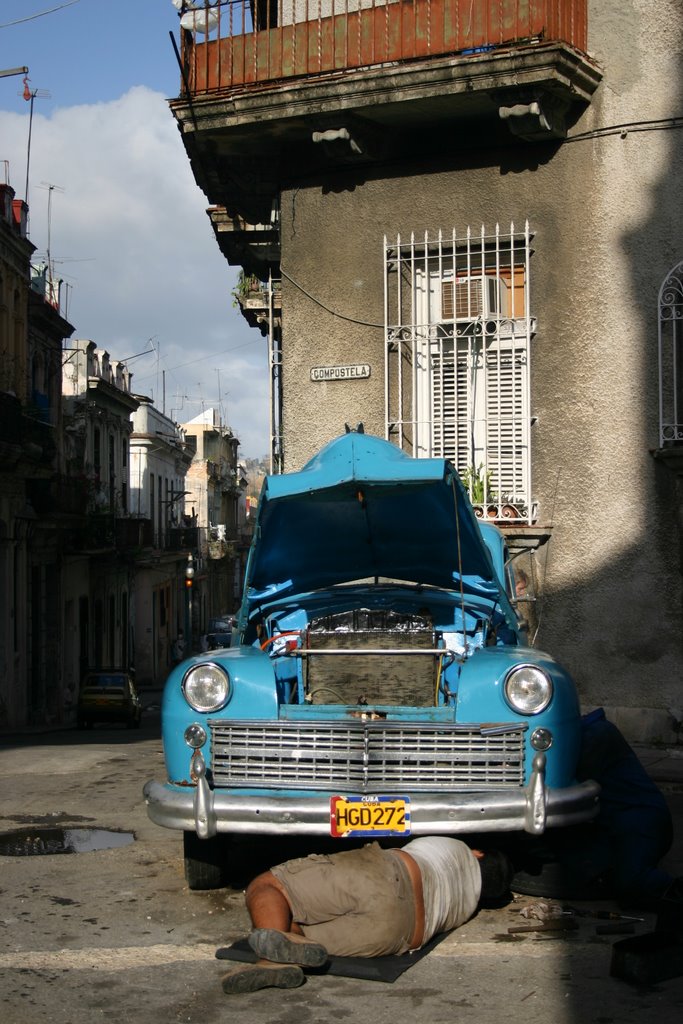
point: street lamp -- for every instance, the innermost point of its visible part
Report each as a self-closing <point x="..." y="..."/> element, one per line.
<point x="189" y="577"/>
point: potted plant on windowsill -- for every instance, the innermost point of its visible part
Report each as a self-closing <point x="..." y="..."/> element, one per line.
<point x="477" y="482"/>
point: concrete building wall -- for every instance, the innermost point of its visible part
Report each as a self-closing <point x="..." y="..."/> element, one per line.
<point x="157" y="451"/>
<point x="14" y="561"/>
<point x="606" y="214"/>
<point x="158" y="618"/>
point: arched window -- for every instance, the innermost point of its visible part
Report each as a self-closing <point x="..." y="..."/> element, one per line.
<point x="671" y="358"/>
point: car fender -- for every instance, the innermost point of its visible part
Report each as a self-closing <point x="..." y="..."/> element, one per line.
<point x="253" y="695"/>
<point x="480" y="698"/>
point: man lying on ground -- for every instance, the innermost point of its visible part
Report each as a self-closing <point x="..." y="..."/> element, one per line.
<point x="364" y="902"/>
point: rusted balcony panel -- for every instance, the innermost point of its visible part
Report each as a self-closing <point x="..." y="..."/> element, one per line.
<point x="341" y="44"/>
<point x="236" y="58"/>
<point x="295" y="45"/>
<point x="378" y="34"/>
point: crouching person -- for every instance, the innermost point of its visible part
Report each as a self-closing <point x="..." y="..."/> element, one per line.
<point x="620" y="851"/>
<point x="364" y="902"/>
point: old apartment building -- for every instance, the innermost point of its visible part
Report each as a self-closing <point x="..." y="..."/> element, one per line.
<point x="214" y="498"/>
<point x="94" y="541"/>
<point x="31" y="334"/>
<point x="465" y="218"/>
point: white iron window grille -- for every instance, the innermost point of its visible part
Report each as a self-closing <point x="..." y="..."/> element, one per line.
<point x="458" y="333"/>
<point x="671" y="358"/>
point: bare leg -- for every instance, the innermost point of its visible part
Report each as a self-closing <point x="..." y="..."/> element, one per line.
<point x="267" y="903"/>
<point x="275" y="937"/>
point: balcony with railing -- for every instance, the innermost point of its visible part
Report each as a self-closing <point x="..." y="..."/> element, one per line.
<point x="260" y="302"/>
<point x="277" y="89"/>
<point x="271" y="40"/>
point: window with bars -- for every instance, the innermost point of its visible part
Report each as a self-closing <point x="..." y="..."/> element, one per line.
<point x="458" y="331"/>
<point x="671" y="358"/>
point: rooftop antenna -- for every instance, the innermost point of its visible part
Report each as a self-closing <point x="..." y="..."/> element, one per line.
<point x="50" y="189"/>
<point x="30" y="95"/>
<point x="157" y="349"/>
<point x="220" y="420"/>
<point x="179" y="398"/>
<point x="137" y="355"/>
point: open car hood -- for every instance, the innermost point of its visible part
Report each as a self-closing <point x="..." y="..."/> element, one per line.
<point x="363" y="509"/>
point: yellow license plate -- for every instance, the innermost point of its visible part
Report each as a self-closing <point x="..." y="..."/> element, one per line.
<point x="369" y="816"/>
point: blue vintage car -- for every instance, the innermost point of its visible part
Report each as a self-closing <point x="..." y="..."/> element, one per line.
<point x="380" y="685"/>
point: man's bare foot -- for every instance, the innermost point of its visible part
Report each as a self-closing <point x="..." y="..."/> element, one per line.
<point x="287" y="948"/>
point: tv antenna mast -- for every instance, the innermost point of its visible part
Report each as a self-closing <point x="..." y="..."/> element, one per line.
<point x="50" y="189"/>
<point x="30" y="95"/>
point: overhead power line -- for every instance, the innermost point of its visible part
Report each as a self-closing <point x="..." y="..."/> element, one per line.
<point x="40" y="14"/>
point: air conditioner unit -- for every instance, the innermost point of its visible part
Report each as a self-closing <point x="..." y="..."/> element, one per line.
<point x="468" y="298"/>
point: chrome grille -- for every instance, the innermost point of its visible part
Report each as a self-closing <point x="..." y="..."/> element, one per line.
<point x="360" y="757"/>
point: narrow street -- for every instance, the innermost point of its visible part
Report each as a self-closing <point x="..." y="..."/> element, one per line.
<point x="114" y="934"/>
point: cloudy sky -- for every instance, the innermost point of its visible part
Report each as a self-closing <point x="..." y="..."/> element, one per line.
<point x="112" y="196"/>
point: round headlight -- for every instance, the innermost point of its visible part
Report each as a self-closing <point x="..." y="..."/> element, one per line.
<point x="528" y="690"/>
<point x="207" y="687"/>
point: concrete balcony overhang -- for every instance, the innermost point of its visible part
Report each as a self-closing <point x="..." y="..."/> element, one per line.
<point x="247" y="142"/>
<point x="257" y="310"/>
<point x="255" y="247"/>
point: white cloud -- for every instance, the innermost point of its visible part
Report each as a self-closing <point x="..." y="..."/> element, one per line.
<point x="130" y="237"/>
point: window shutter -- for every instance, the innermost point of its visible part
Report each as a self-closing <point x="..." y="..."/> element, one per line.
<point x="468" y="298"/>
<point x="444" y="394"/>
<point x="506" y="431"/>
<point x="453" y="389"/>
<point x="478" y="406"/>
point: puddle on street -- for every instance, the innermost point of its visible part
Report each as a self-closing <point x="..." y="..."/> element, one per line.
<point x="38" y="842"/>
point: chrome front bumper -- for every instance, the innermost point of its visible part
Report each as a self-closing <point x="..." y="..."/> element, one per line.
<point x="533" y="809"/>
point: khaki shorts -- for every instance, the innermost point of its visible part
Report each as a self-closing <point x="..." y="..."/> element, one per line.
<point x="356" y="903"/>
